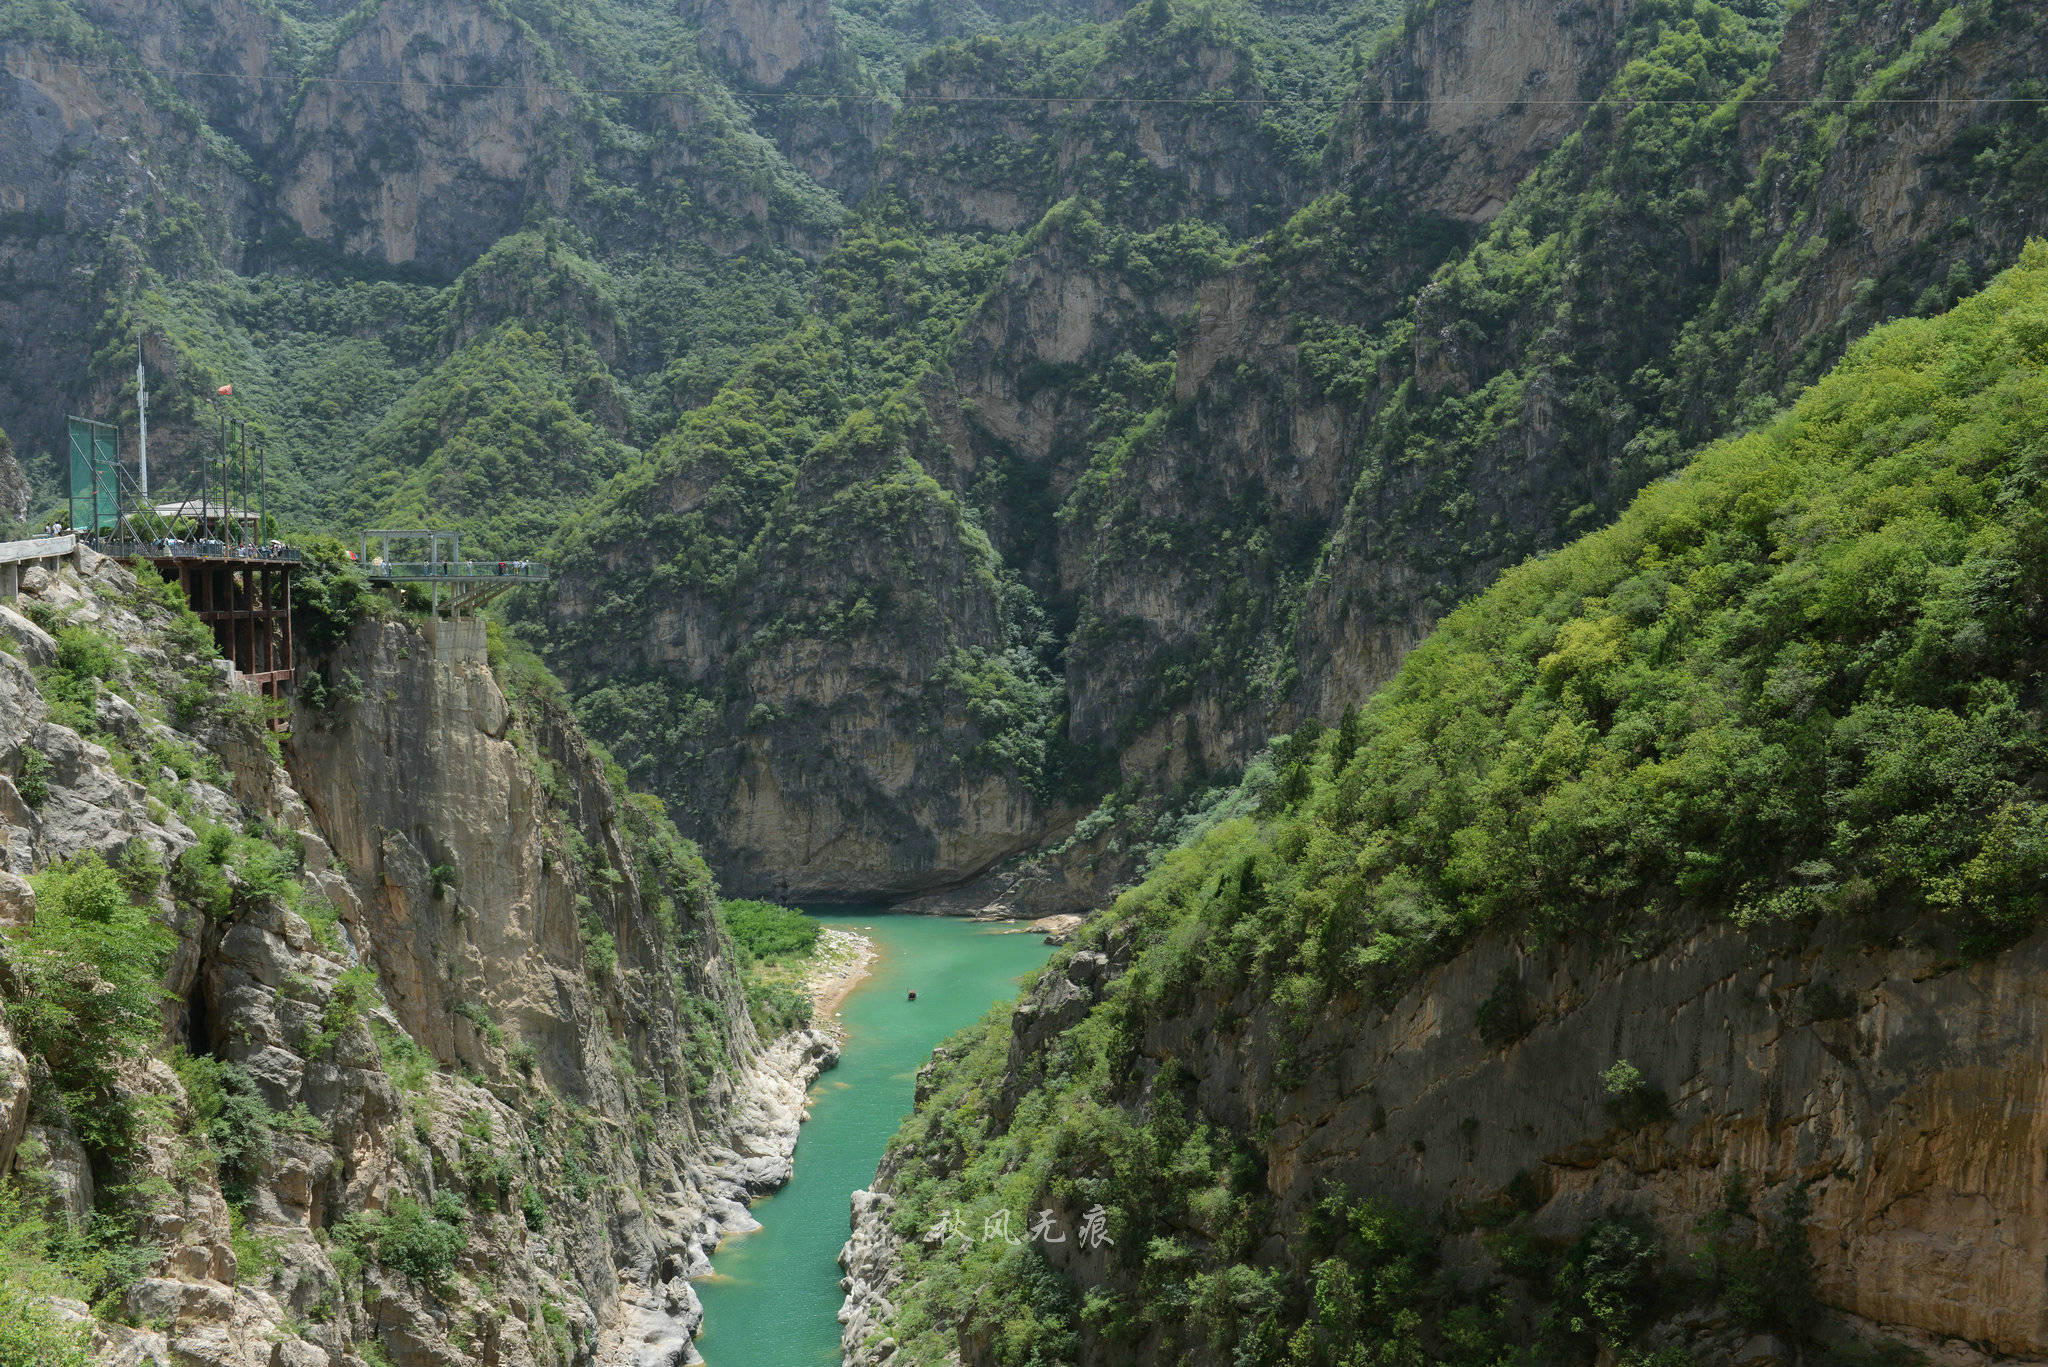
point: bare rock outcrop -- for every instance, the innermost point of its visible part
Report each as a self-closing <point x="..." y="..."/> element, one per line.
<point x="768" y="41"/>
<point x="1883" y="1100"/>
<point x="493" y="992"/>
<point x="873" y="1270"/>
<point x="1474" y="96"/>
<point x="427" y="145"/>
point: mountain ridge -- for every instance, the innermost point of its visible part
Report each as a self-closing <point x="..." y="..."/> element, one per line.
<point x="1333" y="381"/>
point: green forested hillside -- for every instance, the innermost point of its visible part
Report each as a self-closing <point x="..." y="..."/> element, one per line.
<point x="495" y="403"/>
<point x="1461" y="533"/>
<point x="1797" y="685"/>
<point x="1479" y="394"/>
<point x="1093" y="392"/>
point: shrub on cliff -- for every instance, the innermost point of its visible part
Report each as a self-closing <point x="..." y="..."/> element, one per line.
<point x="1605" y="1288"/>
<point x="90" y="972"/>
<point x="419" y="1243"/>
<point x="33" y="1336"/>
<point x="71" y="686"/>
<point x="330" y="596"/>
<point x="229" y="1111"/>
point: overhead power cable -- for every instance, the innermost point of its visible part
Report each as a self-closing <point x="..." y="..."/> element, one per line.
<point x="1209" y="101"/>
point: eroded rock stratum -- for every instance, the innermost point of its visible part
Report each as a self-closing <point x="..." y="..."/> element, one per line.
<point x="493" y="1089"/>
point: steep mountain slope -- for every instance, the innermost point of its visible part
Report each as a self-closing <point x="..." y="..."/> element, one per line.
<point x="749" y="574"/>
<point x="278" y="197"/>
<point x="1696" y="274"/>
<point x="1353" y="443"/>
<point x="1630" y="975"/>
<point x="422" y="1046"/>
<point x="963" y="426"/>
<point x="1233" y="479"/>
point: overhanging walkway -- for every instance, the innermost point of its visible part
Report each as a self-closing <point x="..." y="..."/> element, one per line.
<point x="37" y="550"/>
<point x="450" y="571"/>
<point x="457" y="585"/>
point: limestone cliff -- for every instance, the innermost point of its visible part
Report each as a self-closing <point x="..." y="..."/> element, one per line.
<point x="817" y="729"/>
<point x="388" y="161"/>
<point x="148" y="150"/>
<point x="71" y="176"/>
<point x="1892" y="1089"/>
<point x="1473" y="97"/>
<point x="440" y="129"/>
<point x="768" y="41"/>
<point x="1460" y="355"/>
<point x="491" y="987"/>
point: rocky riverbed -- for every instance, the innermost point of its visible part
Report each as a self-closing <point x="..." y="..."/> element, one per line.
<point x="770" y="1106"/>
<point x="660" y="1321"/>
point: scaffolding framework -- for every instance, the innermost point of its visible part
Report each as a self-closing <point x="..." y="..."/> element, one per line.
<point x="249" y="608"/>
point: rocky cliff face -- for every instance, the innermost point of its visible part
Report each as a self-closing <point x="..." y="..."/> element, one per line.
<point x="150" y="149"/>
<point x="988" y="139"/>
<point x="831" y="754"/>
<point x="769" y="41"/>
<point x="1377" y="410"/>
<point x="1746" y="321"/>
<point x="1474" y="97"/>
<point x="386" y="161"/>
<point x="1241" y="402"/>
<point x="1859" y="1079"/>
<point x="1856" y="1075"/>
<point x="72" y="173"/>
<point x="1243" y="479"/>
<point x="441" y="129"/>
<point x="494" y="992"/>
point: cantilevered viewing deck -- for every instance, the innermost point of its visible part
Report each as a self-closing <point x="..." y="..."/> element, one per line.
<point x="456" y="584"/>
<point x="448" y="571"/>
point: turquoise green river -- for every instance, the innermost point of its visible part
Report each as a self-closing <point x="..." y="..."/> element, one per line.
<point x="773" y="1299"/>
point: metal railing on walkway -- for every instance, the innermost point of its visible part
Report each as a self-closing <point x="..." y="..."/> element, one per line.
<point x="455" y="571"/>
<point x="175" y="548"/>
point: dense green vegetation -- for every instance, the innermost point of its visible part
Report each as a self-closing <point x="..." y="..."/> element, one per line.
<point x="91" y="969"/>
<point x="813" y="513"/>
<point x="1211" y="68"/>
<point x="31" y="1331"/>
<point x="1799" y="682"/>
<point x="769" y="932"/>
<point x="490" y="404"/>
<point x="776" y="945"/>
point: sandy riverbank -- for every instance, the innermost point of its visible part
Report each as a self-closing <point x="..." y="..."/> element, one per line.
<point x="843" y="958"/>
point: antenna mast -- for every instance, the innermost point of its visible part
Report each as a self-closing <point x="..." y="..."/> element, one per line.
<point x="142" y="417"/>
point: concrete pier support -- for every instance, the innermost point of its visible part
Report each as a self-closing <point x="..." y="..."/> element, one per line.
<point x="458" y="640"/>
